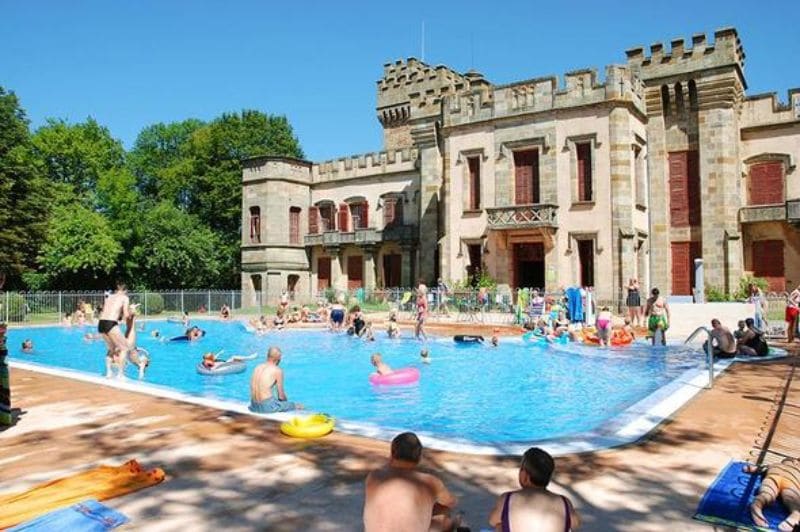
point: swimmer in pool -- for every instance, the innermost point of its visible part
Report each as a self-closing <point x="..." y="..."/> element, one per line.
<point x="27" y="346"/>
<point x="380" y="366"/>
<point x="495" y="341"/>
<point x="424" y="356"/>
<point x="211" y="361"/>
<point x="136" y="356"/>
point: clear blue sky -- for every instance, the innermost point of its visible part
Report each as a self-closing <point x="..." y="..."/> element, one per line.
<point x="133" y="63"/>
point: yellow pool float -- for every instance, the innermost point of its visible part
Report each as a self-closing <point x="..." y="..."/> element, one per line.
<point x="308" y="427"/>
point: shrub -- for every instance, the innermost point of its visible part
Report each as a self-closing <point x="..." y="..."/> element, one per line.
<point x="154" y="303"/>
<point x="716" y="295"/>
<point x="16" y="307"/>
<point x="742" y="293"/>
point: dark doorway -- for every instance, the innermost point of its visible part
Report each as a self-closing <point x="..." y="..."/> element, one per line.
<point x="323" y="273"/>
<point x="355" y="272"/>
<point x="529" y="265"/>
<point x="391" y="271"/>
<point x="586" y="259"/>
<point x="475" y="252"/>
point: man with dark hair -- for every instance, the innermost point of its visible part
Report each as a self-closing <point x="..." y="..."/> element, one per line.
<point x="752" y="342"/>
<point x="116" y="308"/>
<point x="723" y="344"/>
<point x="399" y="497"/>
<point x="534" y="507"/>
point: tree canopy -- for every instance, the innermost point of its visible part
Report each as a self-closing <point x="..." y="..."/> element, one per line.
<point x="77" y="209"/>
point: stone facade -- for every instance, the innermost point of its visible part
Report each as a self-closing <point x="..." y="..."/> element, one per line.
<point x="540" y="183"/>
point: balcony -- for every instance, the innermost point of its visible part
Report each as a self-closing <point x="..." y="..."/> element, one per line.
<point x="766" y="213"/>
<point x="365" y="236"/>
<point x="523" y="216"/>
<point x="793" y="212"/>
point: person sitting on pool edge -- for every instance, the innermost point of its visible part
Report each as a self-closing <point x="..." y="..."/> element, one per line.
<point x="380" y="366"/>
<point x="723" y="344"/>
<point x="534" y="507"/>
<point x="398" y="496"/>
<point x="752" y="342"/>
<point x="267" y="394"/>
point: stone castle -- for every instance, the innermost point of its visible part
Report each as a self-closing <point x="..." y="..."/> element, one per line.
<point x="541" y="184"/>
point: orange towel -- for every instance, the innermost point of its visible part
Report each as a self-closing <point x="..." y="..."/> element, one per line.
<point x="101" y="483"/>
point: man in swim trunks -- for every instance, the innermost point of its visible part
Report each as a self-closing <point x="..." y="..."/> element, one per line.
<point x="267" y="376"/>
<point x="534" y="507"/>
<point x="780" y="480"/>
<point x="422" y="312"/>
<point x="658" y="317"/>
<point x="722" y="341"/>
<point x="399" y="496"/>
<point x="337" y="315"/>
<point x="115" y="308"/>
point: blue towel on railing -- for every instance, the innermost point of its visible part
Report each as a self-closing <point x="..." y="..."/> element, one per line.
<point x="727" y="501"/>
<point x="86" y="516"/>
<point x="574" y="304"/>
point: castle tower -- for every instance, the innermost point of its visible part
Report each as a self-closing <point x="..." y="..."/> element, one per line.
<point x="693" y="99"/>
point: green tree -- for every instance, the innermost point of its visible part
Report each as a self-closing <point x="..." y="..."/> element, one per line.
<point x="160" y="161"/>
<point x="75" y="155"/>
<point x="80" y="250"/>
<point x="23" y="197"/>
<point x="176" y="250"/>
<point x="119" y="200"/>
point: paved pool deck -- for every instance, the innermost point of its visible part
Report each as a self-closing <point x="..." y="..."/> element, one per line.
<point x="237" y="472"/>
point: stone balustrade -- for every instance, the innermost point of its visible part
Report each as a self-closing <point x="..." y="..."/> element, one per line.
<point x="523" y="216"/>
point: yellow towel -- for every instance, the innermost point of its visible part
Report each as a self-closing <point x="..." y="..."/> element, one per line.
<point x="101" y="483"/>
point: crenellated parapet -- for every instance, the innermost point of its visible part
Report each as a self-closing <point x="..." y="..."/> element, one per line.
<point x="580" y="87"/>
<point x="726" y="51"/>
<point x="365" y="165"/>
<point x="768" y="109"/>
<point x="412" y="89"/>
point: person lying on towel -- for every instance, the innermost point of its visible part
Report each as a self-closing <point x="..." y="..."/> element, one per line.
<point x="780" y="480"/>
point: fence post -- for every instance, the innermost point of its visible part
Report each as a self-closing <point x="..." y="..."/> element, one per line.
<point x="182" y="307"/>
<point x="208" y="308"/>
<point x="144" y="295"/>
<point x="60" y="307"/>
<point x="7" y="298"/>
<point x="233" y="302"/>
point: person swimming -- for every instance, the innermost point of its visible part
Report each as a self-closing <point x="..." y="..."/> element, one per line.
<point x="27" y="346"/>
<point x="380" y="366"/>
<point x="424" y="356"/>
<point x="495" y="340"/>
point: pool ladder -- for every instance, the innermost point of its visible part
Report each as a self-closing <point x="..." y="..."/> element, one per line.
<point x="709" y="353"/>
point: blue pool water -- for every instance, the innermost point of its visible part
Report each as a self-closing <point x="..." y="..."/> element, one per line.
<point x="511" y="394"/>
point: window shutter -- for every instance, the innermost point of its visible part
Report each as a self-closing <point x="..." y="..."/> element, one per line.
<point x="365" y="214"/>
<point x="474" y="183"/>
<point x="344" y="214"/>
<point x="584" y="156"/>
<point x="313" y="220"/>
<point x="678" y="190"/>
<point x="523" y="177"/>
<point x="693" y="187"/>
<point x="294" y="225"/>
<point x="766" y="183"/>
<point x="535" y="192"/>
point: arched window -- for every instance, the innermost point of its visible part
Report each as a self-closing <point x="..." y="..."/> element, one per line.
<point x="665" y="100"/>
<point x="255" y="224"/>
<point x="692" y="95"/>
<point x="678" y="98"/>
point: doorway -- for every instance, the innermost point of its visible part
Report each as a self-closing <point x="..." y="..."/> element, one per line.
<point x="355" y="272"/>
<point x="391" y="271"/>
<point x="586" y="259"/>
<point x="323" y="273"/>
<point x="529" y="265"/>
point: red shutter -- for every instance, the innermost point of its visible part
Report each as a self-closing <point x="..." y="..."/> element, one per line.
<point x="766" y="183"/>
<point x="388" y="211"/>
<point x="678" y="189"/>
<point x="693" y="186"/>
<point x="313" y="220"/>
<point x="365" y="214"/>
<point x="294" y="225"/>
<point x="344" y="214"/>
<point x="768" y="262"/>
<point x="355" y="272"/>
<point x="535" y="192"/>
<point x="323" y="273"/>
<point x="523" y="177"/>
<point x="681" y="269"/>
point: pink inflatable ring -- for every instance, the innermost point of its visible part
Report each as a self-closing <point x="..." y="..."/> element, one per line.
<point x="396" y="377"/>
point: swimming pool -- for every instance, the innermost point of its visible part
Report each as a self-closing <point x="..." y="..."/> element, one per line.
<point x="503" y="398"/>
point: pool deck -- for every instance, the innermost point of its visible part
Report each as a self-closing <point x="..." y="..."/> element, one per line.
<point x="234" y="471"/>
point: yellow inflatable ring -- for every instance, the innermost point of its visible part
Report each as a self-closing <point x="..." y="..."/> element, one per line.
<point x="308" y="427"/>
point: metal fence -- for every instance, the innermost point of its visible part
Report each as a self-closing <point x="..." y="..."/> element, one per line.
<point x="54" y="307"/>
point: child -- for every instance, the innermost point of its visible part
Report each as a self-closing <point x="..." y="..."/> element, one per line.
<point x="495" y="340"/>
<point x="27" y="346"/>
<point x="381" y="367"/>
<point x="424" y="356"/>
<point x="742" y="328"/>
<point x="392" y="329"/>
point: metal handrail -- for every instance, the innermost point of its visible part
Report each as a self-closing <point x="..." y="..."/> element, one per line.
<point x="709" y="353"/>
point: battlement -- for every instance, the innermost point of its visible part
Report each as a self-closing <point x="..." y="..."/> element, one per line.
<point x="365" y="165"/>
<point x="768" y="109"/>
<point x="412" y="88"/>
<point x="580" y="87"/>
<point x="725" y="51"/>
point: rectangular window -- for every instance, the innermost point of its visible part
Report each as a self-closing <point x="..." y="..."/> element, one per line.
<point x="586" y="259"/>
<point x="327" y="217"/>
<point x="583" y="152"/>
<point x="294" y="225"/>
<point x="355" y="272"/>
<point x="392" y="211"/>
<point x="323" y="273"/>
<point x="359" y="215"/>
<point x="255" y="224"/>
<point x="526" y="177"/>
<point x="639" y="173"/>
<point x="344" y="218"/>
<point x="766" y="183"/>
<point x="684" y="188"/>
<point x="474" y="192"/>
